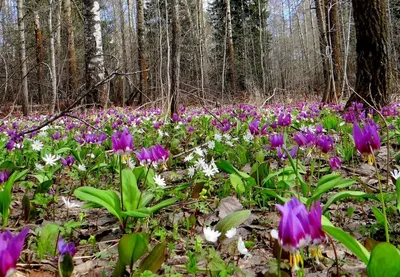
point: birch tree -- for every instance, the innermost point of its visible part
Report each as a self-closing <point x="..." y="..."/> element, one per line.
<point x="22" y="59"/>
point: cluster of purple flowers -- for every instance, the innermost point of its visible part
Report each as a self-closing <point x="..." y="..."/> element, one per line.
<point x="299" y="227"/>
<point x="122" y="142"/>
<point x="366" y="140"/>
<point x="255" y="130"/>
<point x="153" y="155"/>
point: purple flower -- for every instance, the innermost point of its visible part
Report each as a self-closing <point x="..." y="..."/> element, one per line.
<point x="294" y="226"/>
<point x="56" y="136"/>
<point x="325" y="143"/>
<point x="69" y="161"/>
<point x="122" y="143"/>
<point x="254" y="127"/>
<point x="284" y="120"/>
<point x="10" y="145"/>
<point x="316" y="233"/>
<point x="334" y="162"/>
<point x="159" y="154"/>
<point x="65" y="248"/>
<point x="282" y="153"/>
<point x="145" y="156"/>
<point x="10" y="250"/>
<point x="4" y="175"/>
<point x="366" y="140"/>
<point x="276" y="140"/>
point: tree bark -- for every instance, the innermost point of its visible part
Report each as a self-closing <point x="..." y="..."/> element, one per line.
<point x="94" y="58"/>
<point x="39" y="56"/>
<point x="124" y="54"/>
<point x="141" y="50"/>
<point x="231" y="49"/>
<point x="323" y="41"/>
<point x="72" y="67"/>
<point x="24" y="77"/>
<point x="53" y="72"/>
<point x="175" y="56"/>
<point x="373" y="63"/>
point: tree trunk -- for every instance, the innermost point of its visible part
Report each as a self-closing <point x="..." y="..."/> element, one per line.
<point x="72" y="67"/>
<point x="24" y="77"/>
<point x="175" y="56"/>
<point x="124" y="54"/>
<point x="231" y="50"/>
<point x="141" y="50"/>
<point x="94" y="58"/>
<point x="53" y="72"/>
<point x="323" y="42"/>
<point x="39" y="56"/>
<point x="373" y="63"/>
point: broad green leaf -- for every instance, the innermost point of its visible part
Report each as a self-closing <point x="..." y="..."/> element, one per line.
<point x="384" y="261"/>
<point x="327" y="183"/>
<point x="229" y="168"/>
<point x="162" y="204"/>
<point x="231" y="221"/>
<point x="138" y="213"/>
<point x="345" y="194"/>
<point x="62" y="150"/>
<point x="5" y="202"/>
<point x="380" y="218"/>
<point x="304" y="187"/>
<point x="237" y="183"/>
<point x="398" y="193"/>
<point x="66" y="266"/>
<point x="47" y="240"/>
<point x="132" y="247"/>
<point x="105" y="198"/>
<point x="130" y="190"/>
<point x="349" y="242"/>
<point x="154" y="260"/>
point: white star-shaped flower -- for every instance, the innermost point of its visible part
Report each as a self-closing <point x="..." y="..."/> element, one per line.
<point x="50" y="159"/>
<point x="242" y="248"/>
<point x="159" y="181"/>
<point x="69" y="204"/>
<point x="230" y="233"/>
<point x="211" y="235"/>
<point x="37" y="145"/>
<point x="395" y="174"/>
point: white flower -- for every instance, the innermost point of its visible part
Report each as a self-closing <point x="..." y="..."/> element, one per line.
<point x="42" y="133"/>
<point x="227" y="136"/>
<point x="81" y="167"/>
<point x="39" y="167"/>
<point x="50" y="159"/>
<point x="395" y="174"/>
<point x="211" y="144"/>
<point x="229" y="143"/>
<point x="159" y="181"/>
<point x="200" y="163"/>
<point x="217" y="137"/>
<point x="160" y="133"/>
<point x="199" y="152"/>
<point x="230" y="233"/>
<point x="188" y="158"/>
<point x="248" y="137"/>
<point x="211" y="235"/>
<point x="37" y="145"/>
<point x="131" y="163"/>
<point x="191" y="171"/>
<point x="274" y="234"/>
<point x="242" y="248"/>
<point x="69" y="204"/>
<point x="209" y="170"/>
<point x="91" y="155"/>
<point x="214" y="166"/>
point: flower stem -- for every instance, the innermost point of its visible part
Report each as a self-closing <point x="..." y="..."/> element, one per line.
<point x="120" y="182"/>
<point x="386" y="225"/>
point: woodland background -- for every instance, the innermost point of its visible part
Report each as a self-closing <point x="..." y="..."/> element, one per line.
<point x="161" y="53"/>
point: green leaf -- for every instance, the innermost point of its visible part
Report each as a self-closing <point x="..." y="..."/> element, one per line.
<point x="384" y="261"/>
<point x="237" y="183"/>
<point x="378" y="215"/>
<point x="105" y="198"/>
<point x="348" y="241"/>
<point x="229" y="168"/>
<point x="154" y="260"/>
<point x="130" y="190"/>
<point x="62" y="150"/>
<point x="138" y="213"/>
<point x="327" y="183"/>
<point x="66" y="266"/>
<point x="47" y="240"/>
<point x="231" y="221"/>
<point x="132" y="247"/>
<point x="398" y="193"/>
<point x="5" y="202"/>
<point x="345" y="194"/>
<point x="162" y="204"/>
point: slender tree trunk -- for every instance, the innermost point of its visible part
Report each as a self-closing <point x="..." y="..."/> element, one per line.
<point x="72" y="67"/>
<point x="39" y="56"/>
<point x="261" y="42"/>
<point x="141" y="50"/>
<point x="200" y="34"/>
<point x="53" y="71"/>
<point x="24" y="77"/>
<point x="124" y="54"/>
<point x="175" y="56"/>
<point x="372" y="33"/>
<point x="231" y="49"/>
<point x="94" y="58"/>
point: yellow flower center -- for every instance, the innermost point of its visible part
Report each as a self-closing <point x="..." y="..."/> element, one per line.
<point x="295" y="260"/>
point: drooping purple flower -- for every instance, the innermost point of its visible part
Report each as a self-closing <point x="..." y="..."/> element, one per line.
<point x="160" y="155"/>
<point x="315" y="216"/>
<point x="325" y="143"/>
<point x="10" y="145"/>
<point x="294" y="226"/>
<point x="10" y="250"/>
<point x="56" y="136"/>
<point x="65" y="248"/>
<point x="366" y="140"/>
<point x="276" y="140"/>
<point x="69" y="161"/>
<point x="334" y="162"/>
<point x="284" y="120"/>
<point x="122" y="142"/>
<point x="254" y="127"/>
<point x="145" y="156"/>
<point x="282" y="153"/>
<point x="4" y="175"/>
